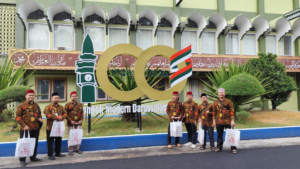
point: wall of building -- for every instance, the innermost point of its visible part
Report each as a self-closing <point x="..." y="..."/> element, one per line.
<point x="271" y="10"/>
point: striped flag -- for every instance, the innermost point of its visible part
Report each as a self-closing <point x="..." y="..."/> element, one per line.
<point x="182" y="56"/>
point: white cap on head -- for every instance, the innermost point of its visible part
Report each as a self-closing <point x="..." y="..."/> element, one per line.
<point x="221" y="90"/>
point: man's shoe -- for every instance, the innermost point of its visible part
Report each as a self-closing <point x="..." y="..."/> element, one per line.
<point x="52" y="158"/>
<point x="193" y="146"/>
<point x="60" y="155"/>
<point x="188" y="144"/>
<point x="34" y="159"/>
<point x="22" y="163"/>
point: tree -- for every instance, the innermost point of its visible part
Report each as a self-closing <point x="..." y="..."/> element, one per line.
<point x="281" y="84"/>
<point x="9" y="79"/>
<point x="234" y="81"/>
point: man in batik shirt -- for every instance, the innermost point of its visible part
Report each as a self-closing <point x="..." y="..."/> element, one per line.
<point x="54" y="111"/>
<point x="28" y="115"/>
<point x="191" y="117"/>
<point x="223" y="117"/>
<point x="74" y="111"/>
<point x="205" y="116"/>
<point x="175" y="112"/>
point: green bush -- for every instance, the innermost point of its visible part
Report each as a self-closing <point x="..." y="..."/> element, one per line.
<point x="254" y="105"/>
<point x="242" y="115"/>
<point x="14" y="93"/>
<point x="6" y="115"/>
<point x="242" y="84"/>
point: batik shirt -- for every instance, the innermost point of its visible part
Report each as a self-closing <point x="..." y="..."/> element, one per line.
<point x="52" y="113"/>
<point x="207" y="119"/>
<point x="74" y="113"/>
<point x="27" y="114"/>
<point x="222" y="114"/>
<point x="190" y="111"/>
<point x="175" y="109"/>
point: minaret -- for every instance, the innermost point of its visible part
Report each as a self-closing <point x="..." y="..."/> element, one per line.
<point x="85" y="77"/>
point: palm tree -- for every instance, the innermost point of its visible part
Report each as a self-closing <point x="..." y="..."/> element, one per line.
<point x="126" y="82"/>
<point x="221" y="75"/>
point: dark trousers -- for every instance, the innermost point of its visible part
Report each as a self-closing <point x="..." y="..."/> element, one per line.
<point x="210" y="131"/>
<point x="192" y="132"/>
<point x="50" y="144"/>
<point x="169" y="136"/>
<point x="220" y="131"/>
<point x="33" y="134"/>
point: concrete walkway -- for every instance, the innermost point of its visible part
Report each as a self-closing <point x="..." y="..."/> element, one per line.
<point x="11" y="162"/>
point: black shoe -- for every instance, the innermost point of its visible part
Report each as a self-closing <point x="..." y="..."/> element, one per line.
<point x="60" y="155"/>
<point x="22" y="163"/>
<point x="52" y="158"/>
<point x="34" y="159"/>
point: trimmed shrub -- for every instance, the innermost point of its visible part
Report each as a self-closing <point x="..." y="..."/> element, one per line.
<point x="6" y="115"/>
<point x="242" y="84"/>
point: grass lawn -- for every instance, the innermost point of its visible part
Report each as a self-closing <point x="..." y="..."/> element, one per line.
<point x="114" y="126"/>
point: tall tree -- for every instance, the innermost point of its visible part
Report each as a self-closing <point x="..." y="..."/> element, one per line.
<point x="281" y="84"/>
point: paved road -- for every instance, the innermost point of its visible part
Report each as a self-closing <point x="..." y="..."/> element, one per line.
<point x="257" y="158"/>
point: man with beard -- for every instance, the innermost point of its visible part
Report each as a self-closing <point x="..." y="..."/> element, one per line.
<point x="28" y="115"/>
<point x="223" y="112"/>
<point x="174" y="111"/>
<point x="54" y="111"/>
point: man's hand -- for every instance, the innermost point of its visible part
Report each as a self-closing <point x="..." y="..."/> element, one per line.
<point x="80" y="122"/>
<point x="26" y="128"/>
<point x="232" y="124"/>
<point x="40" y="120"/>
<point x="214" y="123"/>
<point x="72" y="122"/>
<point x="172" y="117"/>
<point x="60" y="118"/>
<point x="208" y="112"/>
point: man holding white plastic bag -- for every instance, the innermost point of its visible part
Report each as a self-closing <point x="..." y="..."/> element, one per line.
<point x="74" y="111"/>
<point x="28" y="115"/>
<point x="191" y="118"/>
<point x="175" y="112"/>
<point x="205" y="117"/>
<point x="223" y="118"/>
<point x="54" y="112"/>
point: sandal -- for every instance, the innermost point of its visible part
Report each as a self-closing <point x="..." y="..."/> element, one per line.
<point x="218" y="150"/>
<point x="234" y="152"/>
<point x="78" y="151"/>
<point x="179" y="145"/>
<point x="71" y="153"/>
<point x="202" y="148"/>
<point x="169" y="146"/>
<point x="213" y="149"/>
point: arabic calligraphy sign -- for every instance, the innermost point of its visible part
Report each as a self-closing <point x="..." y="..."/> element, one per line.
<point x="65" y="60"/>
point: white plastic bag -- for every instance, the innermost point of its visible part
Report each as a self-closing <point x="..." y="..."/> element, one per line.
<point x="201" y="135"/>
<point x="232" y="137"/>
<point x="75" y="136"/>
<point x="25" y="146"/>
<point x="58" y="129"/>
<point x="176" y="129"/>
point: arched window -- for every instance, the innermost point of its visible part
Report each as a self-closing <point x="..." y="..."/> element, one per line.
<point x="38" y="33"/>
<point x="62" y="16"/>
<point x="165" y="23"/>
<point x="38" y="14"/>
<point x="145" y="22"/>
<point x="94" y="17"/>
<point x="192" y="24"/>
<point x="117" y="20"/>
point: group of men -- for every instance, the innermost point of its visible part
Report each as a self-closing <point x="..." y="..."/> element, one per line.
<point x="220" y="114"/>
<point x="28" y="115"/>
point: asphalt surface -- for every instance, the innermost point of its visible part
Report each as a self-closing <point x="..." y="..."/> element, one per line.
<point x="256" y="158"/>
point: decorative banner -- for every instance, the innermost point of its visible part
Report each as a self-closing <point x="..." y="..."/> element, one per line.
<point x="85" y="77"/>
<point x="65" y="60"/>
<point x="182" y="56"/>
